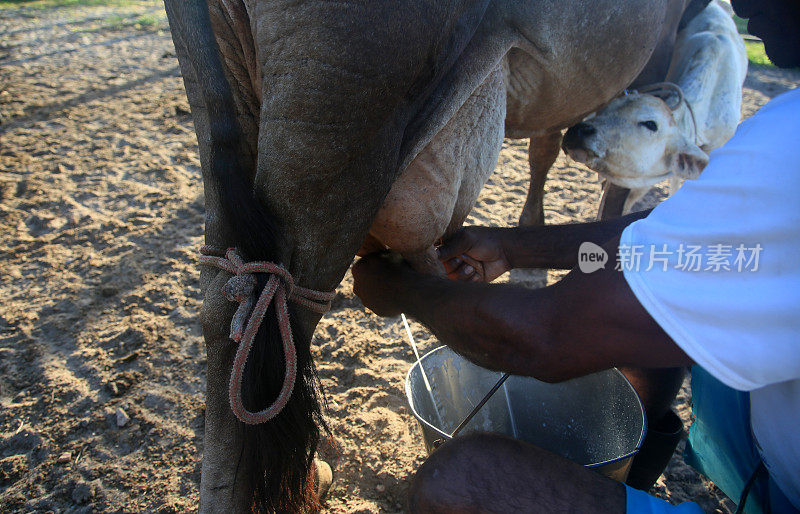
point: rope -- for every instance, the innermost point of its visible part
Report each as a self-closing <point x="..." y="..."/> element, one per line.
<point x="241" y="288"/>
<point x="670" y="87"/>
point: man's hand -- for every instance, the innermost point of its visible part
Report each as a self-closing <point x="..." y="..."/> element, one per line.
<point x="378" y="280"/>
<point x="474" y="254"/>
<point x="542" y="333"/>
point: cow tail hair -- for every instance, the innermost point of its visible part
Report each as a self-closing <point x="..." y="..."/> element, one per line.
<point x="277" y="455"/>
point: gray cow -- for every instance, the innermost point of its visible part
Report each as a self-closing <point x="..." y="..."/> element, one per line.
<point x="307" y="113"/>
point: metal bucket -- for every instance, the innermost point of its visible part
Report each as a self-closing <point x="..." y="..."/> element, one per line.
<point x="597" y="420"/>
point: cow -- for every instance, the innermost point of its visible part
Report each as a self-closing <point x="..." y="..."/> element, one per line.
<point x="311" y="118"/>
<point x="546" y="142"/>
<point x="667" y="131"/>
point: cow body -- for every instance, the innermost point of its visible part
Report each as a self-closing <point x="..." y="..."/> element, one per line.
<point x="322" y="122"/>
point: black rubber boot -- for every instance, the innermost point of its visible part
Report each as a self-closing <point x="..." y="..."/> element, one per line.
<point x="656" y="451"/>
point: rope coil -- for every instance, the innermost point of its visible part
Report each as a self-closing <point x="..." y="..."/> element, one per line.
<point x="241" y="288"/>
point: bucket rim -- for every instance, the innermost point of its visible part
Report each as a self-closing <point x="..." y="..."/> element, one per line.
<point x="409" y="398"/>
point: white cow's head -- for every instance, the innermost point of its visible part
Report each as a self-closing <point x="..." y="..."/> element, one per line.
<point x="635" y="142"/>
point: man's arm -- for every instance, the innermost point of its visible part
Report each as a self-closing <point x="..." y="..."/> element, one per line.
<point x="496" y="250"/>
<point x="584" y="323"/>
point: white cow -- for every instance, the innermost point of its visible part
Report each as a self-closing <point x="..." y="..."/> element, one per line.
<point x="640" y="139"/>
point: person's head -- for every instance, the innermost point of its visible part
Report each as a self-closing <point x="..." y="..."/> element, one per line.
<point x="777" y="23"/>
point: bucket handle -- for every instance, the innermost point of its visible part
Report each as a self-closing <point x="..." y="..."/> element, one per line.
<point x="438" y="442"/>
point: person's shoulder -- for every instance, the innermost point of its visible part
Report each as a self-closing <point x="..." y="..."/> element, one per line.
<point x="779" y="114"/>
<point x="790" y="100"/>
<point x="770" y="133"/>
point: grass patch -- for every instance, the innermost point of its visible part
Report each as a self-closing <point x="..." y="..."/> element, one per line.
<point x="741" y="24"/>
<point x="129" y="18"/>
<point x="756" y="54"/>
<point x="147" y="21"/>
<point x="142" y="22"/>
<point x="55" y="4"/>
<point x="755" y="49"/>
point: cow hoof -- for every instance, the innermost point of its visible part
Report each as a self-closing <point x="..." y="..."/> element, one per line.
<point x="323" y="478"/>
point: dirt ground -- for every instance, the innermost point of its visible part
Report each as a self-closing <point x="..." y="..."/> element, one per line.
<point x="101" y="214"/>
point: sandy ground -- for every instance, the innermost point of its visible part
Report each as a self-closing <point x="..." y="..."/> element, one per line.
<point x="101" y="212"/>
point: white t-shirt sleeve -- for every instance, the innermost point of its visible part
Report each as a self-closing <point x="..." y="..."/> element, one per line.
<point x="741" y="323"/>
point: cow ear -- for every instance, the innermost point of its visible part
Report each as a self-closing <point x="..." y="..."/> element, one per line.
<point x="684" y="158"/>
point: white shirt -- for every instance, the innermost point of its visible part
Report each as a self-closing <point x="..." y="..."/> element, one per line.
<point x="741" y="326"/>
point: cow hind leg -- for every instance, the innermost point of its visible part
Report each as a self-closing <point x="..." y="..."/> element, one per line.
<point x="264" y="466"/>
<point x="542" y="153"/>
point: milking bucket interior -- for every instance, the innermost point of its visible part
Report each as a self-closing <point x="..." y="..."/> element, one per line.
<point x="597" y="420"/>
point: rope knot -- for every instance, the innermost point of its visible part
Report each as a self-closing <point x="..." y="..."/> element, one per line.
<point x="239" y="287"/>
<point x="242" y="288"/>
<point x="280" y="272"/>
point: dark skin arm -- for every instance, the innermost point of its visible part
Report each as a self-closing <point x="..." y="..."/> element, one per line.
<point x="584" y="323"/>
<point x="485" y="253"/>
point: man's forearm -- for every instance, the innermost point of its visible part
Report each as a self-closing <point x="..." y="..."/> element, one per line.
<point x="584" y="324"/>
<point x="556" y="246"/>
<point x="491" y="325"/>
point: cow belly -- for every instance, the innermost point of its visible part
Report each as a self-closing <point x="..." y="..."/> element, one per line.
<point x="433" y="196"/>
